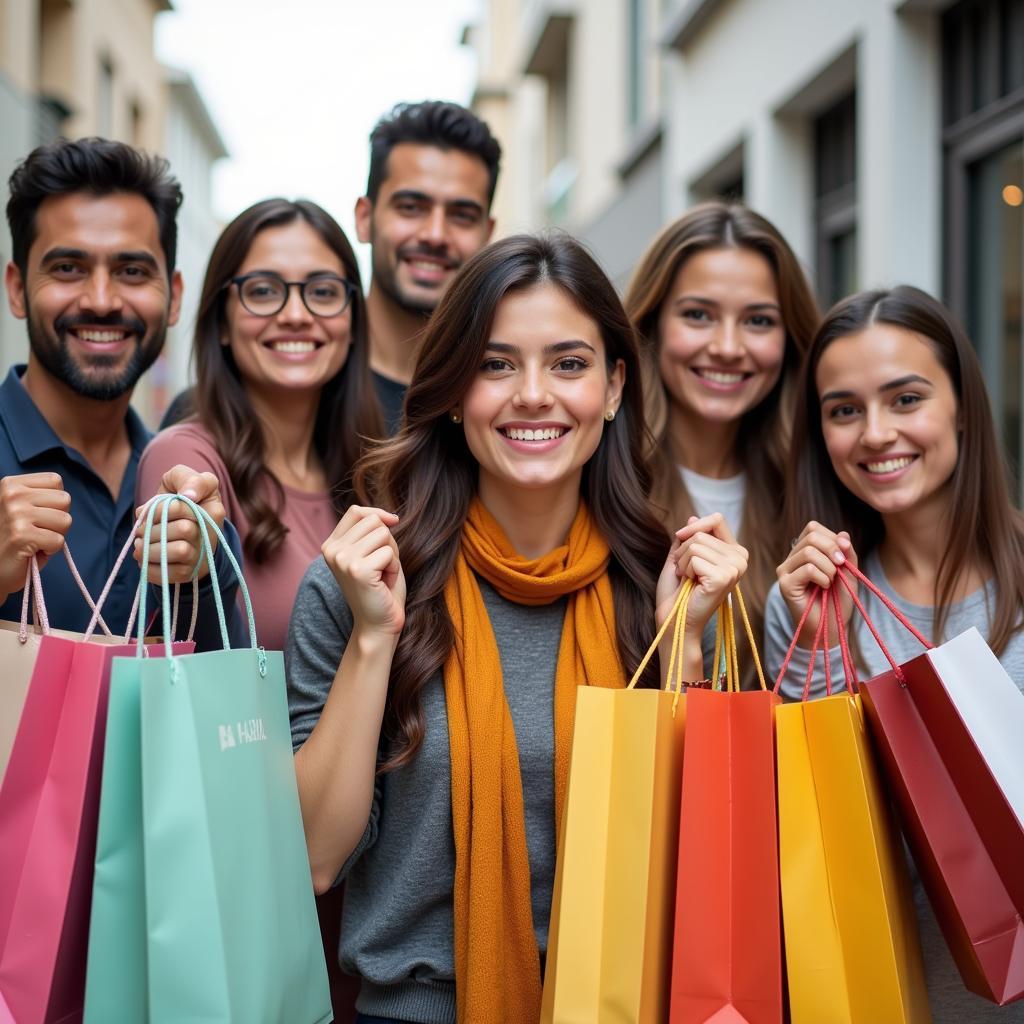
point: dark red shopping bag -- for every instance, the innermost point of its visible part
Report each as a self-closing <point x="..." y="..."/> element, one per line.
<point x="949" y="728"/>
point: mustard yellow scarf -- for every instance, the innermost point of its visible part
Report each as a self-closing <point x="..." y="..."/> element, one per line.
<point x="497" y="966"/>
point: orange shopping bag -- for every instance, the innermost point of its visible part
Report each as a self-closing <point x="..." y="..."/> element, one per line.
<point x="727" y="963"/>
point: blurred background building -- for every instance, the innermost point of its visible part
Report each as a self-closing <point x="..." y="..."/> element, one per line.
<point x="885" y="138"/>
<point x="87" y="67"/>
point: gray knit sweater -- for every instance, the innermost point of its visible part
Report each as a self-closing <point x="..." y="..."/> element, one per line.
<point x="951" y="1002"/>
<point x="397" y="930"/>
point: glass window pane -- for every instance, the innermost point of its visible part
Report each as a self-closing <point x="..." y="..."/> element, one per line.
<point x="996" y="284"/>
<point x="843" y="262"/>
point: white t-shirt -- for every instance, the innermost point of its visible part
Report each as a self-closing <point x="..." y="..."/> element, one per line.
<point x="712" y="495"/>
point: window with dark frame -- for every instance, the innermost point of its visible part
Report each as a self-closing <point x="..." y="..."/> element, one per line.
<point x="983" y="139"/>
<point x="835" y="199"/>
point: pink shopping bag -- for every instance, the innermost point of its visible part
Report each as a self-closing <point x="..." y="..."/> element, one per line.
<point x="19" y="647"/>
<point x="49" y="803"/>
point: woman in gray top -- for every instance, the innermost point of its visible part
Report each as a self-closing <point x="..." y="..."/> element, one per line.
<point x="505" y="554"/>
<point x="896" y="461"/>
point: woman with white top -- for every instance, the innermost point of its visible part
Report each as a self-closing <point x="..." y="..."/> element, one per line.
<point x="725" y="314"/>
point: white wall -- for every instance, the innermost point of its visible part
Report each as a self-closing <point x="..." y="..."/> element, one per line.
<point x="756" y="73"/>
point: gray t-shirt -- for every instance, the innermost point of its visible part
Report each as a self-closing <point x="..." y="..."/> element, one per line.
<point x="951" y="1002"/>
<point x="397" y="930"/>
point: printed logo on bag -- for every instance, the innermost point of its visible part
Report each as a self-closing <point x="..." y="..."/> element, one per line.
<point x="251" y="730"/>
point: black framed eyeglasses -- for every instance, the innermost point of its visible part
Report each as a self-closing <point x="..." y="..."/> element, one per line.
<point x="265" y="294"/>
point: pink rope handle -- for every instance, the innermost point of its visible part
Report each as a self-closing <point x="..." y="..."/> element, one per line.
<point x="83" y="588"/>
<point x="796" y="636"/>
<point x="871" y="626"/>
<point x="819" y="632"/>
<point x="900" y="617"/>
<point x="33" y="588"/>
<point x="33" y="582"/>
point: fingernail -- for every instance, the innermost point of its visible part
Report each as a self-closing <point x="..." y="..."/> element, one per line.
<point x="189" y="494"/>
<point x="839" y="558"/>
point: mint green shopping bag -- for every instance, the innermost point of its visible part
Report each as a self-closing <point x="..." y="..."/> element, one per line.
<point x="222" y="896"/>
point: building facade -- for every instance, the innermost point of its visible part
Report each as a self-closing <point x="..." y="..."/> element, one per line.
<point x="885" y="138"/>
<point x="88" y="67"/>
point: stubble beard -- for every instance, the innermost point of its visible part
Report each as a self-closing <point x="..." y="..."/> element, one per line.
<point x="385" y="277"/>
<point x="54" y="354"/>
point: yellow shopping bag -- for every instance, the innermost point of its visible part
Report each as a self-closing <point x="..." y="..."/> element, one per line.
<point x="609" y="953"/>
<point x="852" y="950"/>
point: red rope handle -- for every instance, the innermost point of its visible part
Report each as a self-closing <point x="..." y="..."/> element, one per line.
<point x="825" y="605"/>
<point x="900" y="617"/>
<point x="816" y="645"/>
<point x="867" y="620"/>
<point x="849" y="669"/>
<point x="796" y="636"/>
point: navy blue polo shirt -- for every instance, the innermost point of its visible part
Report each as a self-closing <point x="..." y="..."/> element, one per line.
<point x="100" y="524"/>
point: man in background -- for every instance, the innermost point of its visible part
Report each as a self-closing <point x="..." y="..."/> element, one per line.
<point x="433" y="171"/>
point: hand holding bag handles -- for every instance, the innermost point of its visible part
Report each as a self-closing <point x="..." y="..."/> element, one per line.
<point x="214" y="917"/>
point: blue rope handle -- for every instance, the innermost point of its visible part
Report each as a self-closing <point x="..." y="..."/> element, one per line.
<point x="205" y="522"/>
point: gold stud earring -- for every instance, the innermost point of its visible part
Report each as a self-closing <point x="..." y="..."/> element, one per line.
<point x="610" y="415"/>
<point x="455" y="417"/>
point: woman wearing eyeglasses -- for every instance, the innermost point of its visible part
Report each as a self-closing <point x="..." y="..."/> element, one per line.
<point x="284" y="403"/>
<point x="283" y="396"/>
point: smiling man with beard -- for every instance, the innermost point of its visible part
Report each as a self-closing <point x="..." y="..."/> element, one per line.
<point x="433" y="171"/>
<point x="92" y="274"/>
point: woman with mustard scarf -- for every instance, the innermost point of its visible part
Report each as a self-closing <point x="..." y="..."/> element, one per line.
<point x="505" y="555"/>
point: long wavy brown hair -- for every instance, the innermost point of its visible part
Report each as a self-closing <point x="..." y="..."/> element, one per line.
<point x="763" y="442"/>
<point x="348" y="412"/>
<point x="984" y="530"/>
<point x="428" y="475"/>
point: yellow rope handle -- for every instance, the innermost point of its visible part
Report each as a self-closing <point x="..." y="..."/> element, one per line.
<point x="681" y="601"/>
<point x="735" y="647"/>
<point x="675" y="658"/>
<point x="725" y="636"/>
<point x="718" y="652"/>
<point x="730" y="645"/>
<point x="750" y="637"/>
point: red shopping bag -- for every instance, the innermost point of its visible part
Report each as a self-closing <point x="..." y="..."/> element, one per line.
<point x="949" y="728"/>
<point x="49" y="802"/>
<point x="727" y="953"/>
